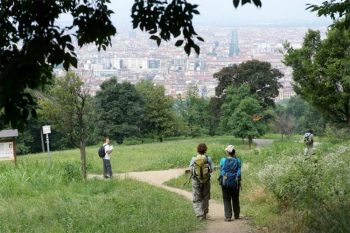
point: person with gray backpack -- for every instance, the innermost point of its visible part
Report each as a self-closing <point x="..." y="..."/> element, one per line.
<point x="230" y="181"/>
<point x="309" y="142"/>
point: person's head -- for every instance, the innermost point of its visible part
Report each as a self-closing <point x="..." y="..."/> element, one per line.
<point x="230" y="150"/>
<point x="202" y="148"/>
<point x="311" y="131"/>
<point x="107" y="140"/>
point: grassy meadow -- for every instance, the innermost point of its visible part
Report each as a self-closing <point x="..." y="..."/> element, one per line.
<point x="282" y="189"/>
<point x="36" y="198"/>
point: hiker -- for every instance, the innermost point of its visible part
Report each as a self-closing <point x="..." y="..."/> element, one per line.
<point x="107" y="167"/>
<point x="309" y="142"/>
<point x="201" y="166"/>
<point x="230" y="181"/>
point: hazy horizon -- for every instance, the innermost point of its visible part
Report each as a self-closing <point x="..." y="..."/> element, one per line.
<point x="222" y="13"/>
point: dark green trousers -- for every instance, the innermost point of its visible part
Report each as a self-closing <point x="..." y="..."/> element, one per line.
<point x="231" y="201"/>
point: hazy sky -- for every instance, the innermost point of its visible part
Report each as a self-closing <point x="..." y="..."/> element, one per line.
<point x="222" y="12"/>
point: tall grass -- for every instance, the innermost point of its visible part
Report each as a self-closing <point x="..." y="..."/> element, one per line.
<point x="36" y="198"/>
<point x="144" y="157"/>
<point x="288" y="192"/>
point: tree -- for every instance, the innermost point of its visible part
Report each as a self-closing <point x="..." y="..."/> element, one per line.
<point x="32" y="43"/>
<point x="120" y="110"/>
<point x="246" y="120"/>
<point x="339" y="11"/>
<point x="321" y="73"/>
<point x="284" y="122"/>
<point x="242" y="114"/>
<point x="260" y="76"/>
<point x="194" y="111"/>
<point x="159" y="116"/>
<point x="68" y="107"/>
<point x="232" y="100"/>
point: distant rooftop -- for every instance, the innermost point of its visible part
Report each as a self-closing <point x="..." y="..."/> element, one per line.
<point x="8" y="133"/>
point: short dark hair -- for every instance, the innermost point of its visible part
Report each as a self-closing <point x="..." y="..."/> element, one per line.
<point x="202" y="148"/>
<point x="232" y="153"/>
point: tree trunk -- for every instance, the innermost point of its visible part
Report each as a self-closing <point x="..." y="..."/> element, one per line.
<point x="83" y="159"/>
<point x="250" y="141"/>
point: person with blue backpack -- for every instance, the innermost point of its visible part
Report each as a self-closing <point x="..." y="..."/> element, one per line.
<point x="230" y="181"/>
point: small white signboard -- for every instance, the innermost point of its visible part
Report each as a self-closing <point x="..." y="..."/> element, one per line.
<point x="6" y="151"/>
<point x="46" y="129"/>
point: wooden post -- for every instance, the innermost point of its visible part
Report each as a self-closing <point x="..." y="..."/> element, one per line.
<point x="14" y="151"/>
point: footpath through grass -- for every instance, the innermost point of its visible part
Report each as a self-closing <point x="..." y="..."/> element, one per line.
<point x="34" y="198"/>
<point x="288" y="192"/>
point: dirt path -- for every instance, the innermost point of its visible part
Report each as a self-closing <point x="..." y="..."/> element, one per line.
<point x="216" y="223"/>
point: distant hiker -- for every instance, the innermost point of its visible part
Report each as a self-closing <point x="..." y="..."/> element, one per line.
<point x="309" y="142"/>
<point x="201" y="166"/>
<point x="230" y="181"/>
<point x="106" y="158"/>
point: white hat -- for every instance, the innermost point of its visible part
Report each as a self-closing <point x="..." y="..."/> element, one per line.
<point x="229" y="148"/>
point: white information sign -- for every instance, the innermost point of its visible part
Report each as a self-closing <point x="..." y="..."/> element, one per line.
<point x="46" y="129"/>
<point x="6" y="151"/>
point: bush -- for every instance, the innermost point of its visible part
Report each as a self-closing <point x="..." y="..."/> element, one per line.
<point x="318" y="186"/>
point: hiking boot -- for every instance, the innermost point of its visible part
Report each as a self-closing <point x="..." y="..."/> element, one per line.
<point x="227" y="219"/>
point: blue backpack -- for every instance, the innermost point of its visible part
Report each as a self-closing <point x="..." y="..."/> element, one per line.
<point x="228" y="174"/>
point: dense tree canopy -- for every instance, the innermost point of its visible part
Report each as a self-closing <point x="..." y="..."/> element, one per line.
<point x="260" y="76"/>
<point x="120" y="110"/>
<point x="321" y="72"/>
<point x="194" y="111"/>
<point x="159" y="117"/>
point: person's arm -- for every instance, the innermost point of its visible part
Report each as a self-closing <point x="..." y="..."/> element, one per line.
<point x="191" y="166"/>
<point x="211" y="164"/>
<point x="239" y="174"/>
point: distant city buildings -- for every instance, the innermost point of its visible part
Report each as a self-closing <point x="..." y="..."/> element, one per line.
<point x="134" y="57"/>
<point x="234" y="49"/>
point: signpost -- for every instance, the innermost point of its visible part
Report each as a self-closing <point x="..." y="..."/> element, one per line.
<point x="47" y="131"/>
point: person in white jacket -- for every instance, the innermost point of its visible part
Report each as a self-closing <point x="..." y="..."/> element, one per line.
<point x="107" y="167"/>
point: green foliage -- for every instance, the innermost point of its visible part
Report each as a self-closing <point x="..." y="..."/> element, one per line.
<point x="243" y="116"/>
<point x="297" y="116"/>
<point x="68" y="107"/>
<point x="120" y="110"/>
<point x="194" y="110"/>
<point x="321" y="74"/>
<point x="338" y="11"/>
<point x="314" y="186"/>
<point x="44" y="44"/>
<point x="284" y="123"/>
<point x="159" y="119"/>
<point x="261" y="78"/>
